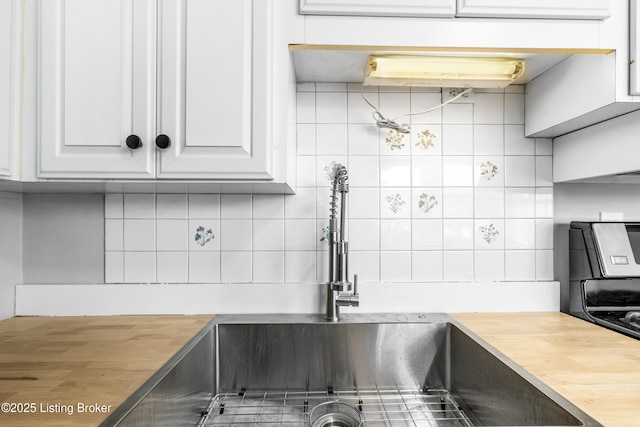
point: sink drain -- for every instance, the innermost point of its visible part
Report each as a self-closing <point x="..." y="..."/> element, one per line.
<point x="335" y="414"/>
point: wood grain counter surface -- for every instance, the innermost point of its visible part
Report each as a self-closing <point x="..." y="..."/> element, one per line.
<point x="74" y="371"/>
<point x="596" y="369"/>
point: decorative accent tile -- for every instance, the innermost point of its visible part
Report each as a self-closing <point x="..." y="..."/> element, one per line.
<point x="488" y="170"/>
<point x="427" y="202"/>
<point x="395" y="202"/>
<point x="203" y="236"/>
<point x="489" y="233"/>
<point x="426" y="140"/>
<point x="395" y="140"/>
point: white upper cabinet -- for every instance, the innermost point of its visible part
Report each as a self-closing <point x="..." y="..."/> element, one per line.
<point x="560" y="9"/>
<point x="564" y="9"/>
<point x="9" y="87"/>
<point x="159" y="89"/>
<point x="441" y="8"/>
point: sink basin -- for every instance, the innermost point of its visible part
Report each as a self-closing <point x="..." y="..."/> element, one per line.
<point x="394" y="370"/>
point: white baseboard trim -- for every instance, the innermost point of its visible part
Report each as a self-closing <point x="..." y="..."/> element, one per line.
<point x="256" y="298"/>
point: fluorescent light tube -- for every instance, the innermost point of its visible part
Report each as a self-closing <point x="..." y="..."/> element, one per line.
<point x="442" y="71"/>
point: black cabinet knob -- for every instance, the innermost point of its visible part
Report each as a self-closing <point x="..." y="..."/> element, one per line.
<point x="163" y="141"/>
<point x="134" y="142"/>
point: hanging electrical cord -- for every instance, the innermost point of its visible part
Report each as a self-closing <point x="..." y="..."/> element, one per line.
<point x="383" y="122"/>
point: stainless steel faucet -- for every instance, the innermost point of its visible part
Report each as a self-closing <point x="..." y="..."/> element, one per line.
<point x="340" y="291"/>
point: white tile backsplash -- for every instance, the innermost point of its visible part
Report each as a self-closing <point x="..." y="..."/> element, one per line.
<point x="463" y="197"/>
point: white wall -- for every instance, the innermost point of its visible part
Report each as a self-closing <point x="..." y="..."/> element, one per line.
<point x="10" y="251"/>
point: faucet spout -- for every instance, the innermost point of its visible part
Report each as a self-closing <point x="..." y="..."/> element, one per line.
<point x="340" y="292"/>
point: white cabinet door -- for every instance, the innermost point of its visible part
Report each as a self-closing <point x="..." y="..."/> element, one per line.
<point x="97" y="87"/>
<point x="560" y="9"/>
<point x="424" y="8"/>
<point x="9" y="86"/>
<point x="206" y="90"/>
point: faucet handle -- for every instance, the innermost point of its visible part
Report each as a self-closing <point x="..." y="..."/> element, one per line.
<point x="355" y="284"/>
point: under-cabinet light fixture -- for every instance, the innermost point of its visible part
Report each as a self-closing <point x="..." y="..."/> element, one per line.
<point x="442" y="71"/>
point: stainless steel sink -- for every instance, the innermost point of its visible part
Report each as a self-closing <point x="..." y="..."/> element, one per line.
<point x="395" y="370"/>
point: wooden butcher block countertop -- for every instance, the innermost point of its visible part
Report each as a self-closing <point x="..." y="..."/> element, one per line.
<point x="596" y="369"/>
<point x="75" y="371"/>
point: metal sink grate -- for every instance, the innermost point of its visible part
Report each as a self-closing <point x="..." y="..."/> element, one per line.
<point x="433" y="408"/>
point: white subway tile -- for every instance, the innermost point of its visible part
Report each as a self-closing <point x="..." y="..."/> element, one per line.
<point x="235" y="235"/>
<point x="544" y="202"/>
<point x="520" y="265"/>
<point x="114" y="235"/>
<point x="172" y="267"/>
<point x="544" y="171"/>
<point x="520" y="233"/>
<point x="519" y="171"/>
<point x="393" y="142"/>
<point x="300" y="235"/>
<point x="457" y="266"/>
<point x="114" y="267"/>
<point x="236" y="267"/>
<point x="140" y="206"/>
<point x="395" y="266"/>
<point x="268" y="206"/>
<point x="204" y="206"/>
<point x="363" y="203"/>
<point x="366" y="264"/>
<point x="395" y="235"/>
<point x="139" y="267"/>
<point x="515" y="143"/>
<point x="395" y="171"/>
<point x="457" y="234"/>
<point x="489" y="266"/>
<point x="204" y="267"/>
<point x="489" y="202"/>
<point x="306" y="174"/>
<point x="364" y="234"/>
<point x="306" y="139"/>
<point x="268" y="267"/>
<point x="457" y="171"/>
<point x="394" y="104"/>
<point x="544" y="234"/>
<point x="113" y="206"/>
<point x="426" y="171"/>
<point x="139" y="235"/>
<point x="520" y="202"/>
<point x="364" y="171"/>
<point x="544" y="265"/>
<point x="358" y="111"/>
<point x="306" y="107"/>
<point x="268" y="234"/>
<point x="426" y="234"/>
<point x="300" y="267"/>
<point x="488" y="108"/>
<point x="331" y="107"/>
<point x="234" y="206"/>
<point x="457" y="202"/>
<point x="544" y="147"/>
<point x="457" y="140"/>
<point x="514" y="108"/>
<point x="301" y="205"/>
<point x="364" y="139"/>
<point x="171" y="206"/>
<point x="488" y="140"/>
<point x="331" y="139"/>
<point x="422" y="101"/>
<point x="457" y="113"/>
<point x="172" y="235"/>
<point x="426" y="266"/>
